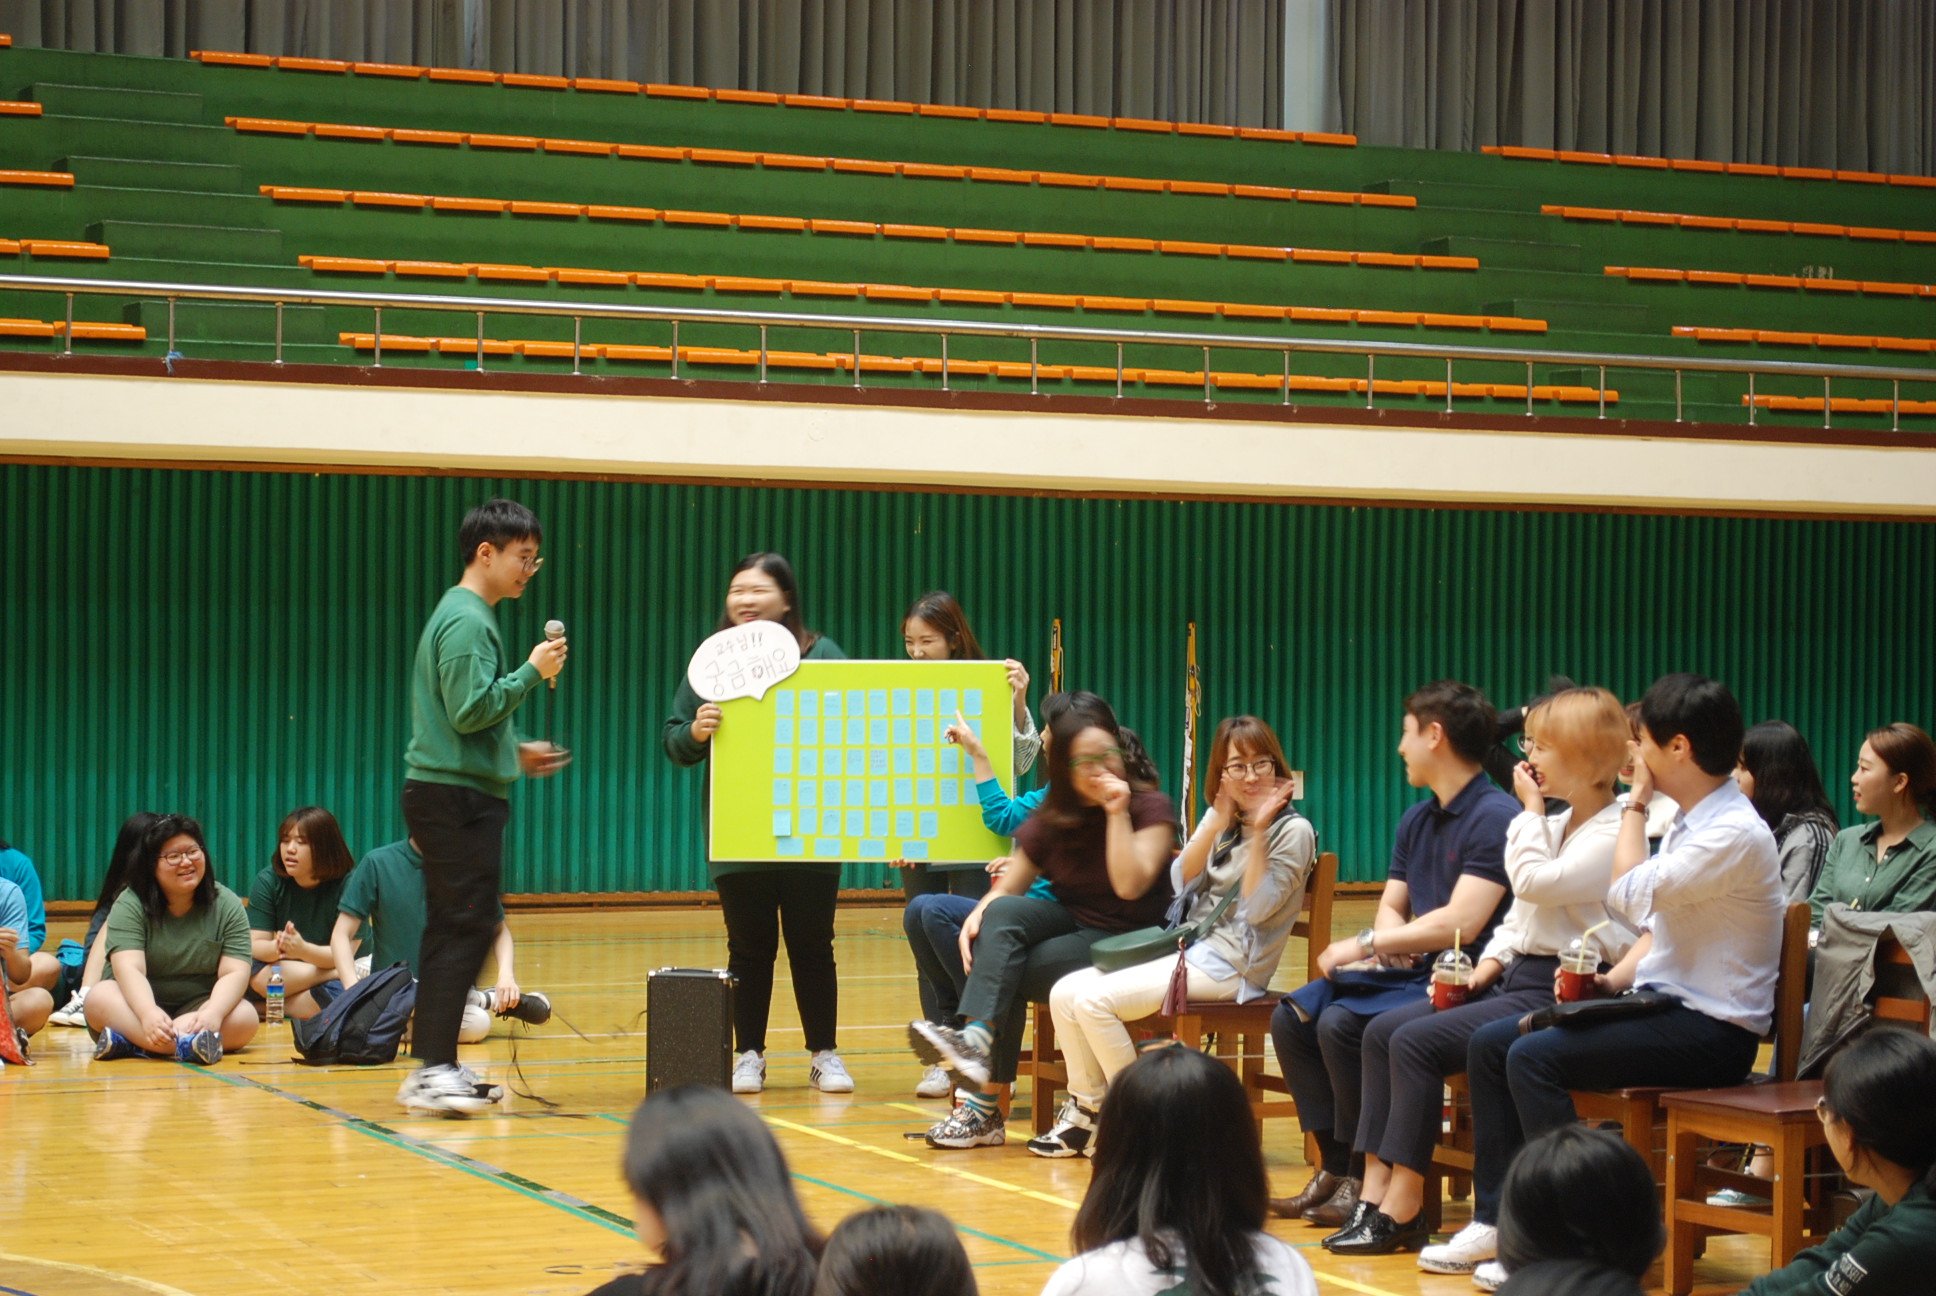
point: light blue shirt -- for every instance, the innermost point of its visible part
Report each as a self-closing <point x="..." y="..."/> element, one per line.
<point x="1004" y="814"/>
<point x="13" y="909"/>
<point x="19" y="870"/>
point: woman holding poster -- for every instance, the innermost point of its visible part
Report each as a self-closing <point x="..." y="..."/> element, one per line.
<point x="762" y="898"/>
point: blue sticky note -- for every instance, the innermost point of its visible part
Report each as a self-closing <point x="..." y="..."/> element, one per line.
<point x="877" y="760"/>
<point x="930" y="824"/>
<point x="783" y="823"/>
<point x="903" y="761"/>
<point x="856" y="792"/>
<point x="783" y="702"/>
<point x="877" y="823"/>
<point x="826" y="848"/>
<point x="974" y="727"/>
<point x="946" y="704"/>
<point x="830" y="792"/>
<point x="783" y="731"/>
<point x="924" y="732"/>
<point x="877" y="732"/>
<point x="856" y="733"/>
<point x="903" y="791"/>
<point x="831" y="704"/>
<point x="809" y="762"/>
<point x="903" y="702"/>
<point x="856" y="823"/>
<point x="951" y="760"/>
<point x="830" y="763"/>
<point x="950" y="792"/>
<point x="923" y="791"/>
<point x="877" y="792"/>
<point x="876" y="702"/>
<point x="790" y="847"/>
<point x="924" y="760"/>
<point x="903" y="730"/>
<point x="809" y="733"/>
<point x="856" y="702"/>
<point x="968" y="791"/>
<point x="809" y="792"/>
<point x="971" y="703"/>
<point x="914" y="850"/>
<point x="830" y="823"/>
<point x="904" y="823"/>
<point x="873" y="850"/>
<point x="809" y="703"/>
<point x="924" y="702"/>
<point x="782" y="791"/>
<point x="783" y="760"/>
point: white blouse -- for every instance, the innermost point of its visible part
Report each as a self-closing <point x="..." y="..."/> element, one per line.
<point x="1560" y="892"/>
<point x="1123" y="1269"/>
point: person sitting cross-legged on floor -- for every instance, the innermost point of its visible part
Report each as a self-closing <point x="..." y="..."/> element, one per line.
<point x="292" y="910"/>
<point x="127" y="844"/>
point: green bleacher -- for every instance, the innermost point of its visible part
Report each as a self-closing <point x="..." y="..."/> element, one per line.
<point x="216" y="173"/>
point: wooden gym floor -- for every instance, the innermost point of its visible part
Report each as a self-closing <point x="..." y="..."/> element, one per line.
<point x="260" y="1175"/>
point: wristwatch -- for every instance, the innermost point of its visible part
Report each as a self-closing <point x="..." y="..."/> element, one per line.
<point x="1367" y="939"/>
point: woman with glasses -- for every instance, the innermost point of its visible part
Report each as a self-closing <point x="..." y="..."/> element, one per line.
<point x="1103" y="838"/>
<point x="760" y="899"/>
<point x="1251" y="845"/>
<point x="1876" y="1112"/>
<point x="178" y="956"/>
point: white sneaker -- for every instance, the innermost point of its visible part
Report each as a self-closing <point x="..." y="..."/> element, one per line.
<point x="1469" y="1248"/>
<point x="828" y="1073"/>
<point x="749" y="1073"/>
<point x="935" y="1083"/>
<point x="445" y="1091"/>
<point x="1490" y="1276"/>
<point x="1070" y="1136"/>
<point x="74" y="1014"/>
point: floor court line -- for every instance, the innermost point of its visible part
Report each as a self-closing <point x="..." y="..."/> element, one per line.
<point x="959" y="1227"/>
<point x="146" y="1284"/>
<point x="933" y="1167"/>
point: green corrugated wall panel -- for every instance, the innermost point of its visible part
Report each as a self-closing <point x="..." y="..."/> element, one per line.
<point x="234" y="644"/>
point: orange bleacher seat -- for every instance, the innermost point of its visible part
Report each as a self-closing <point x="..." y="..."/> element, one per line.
<point x="1060" y="301"/>
<point x="1251" y="310"/>
<point x="99" y="332"/>
<point x="1067" y="240"/>
<point x="219" y="57"/>
<point x="64" y="249"/>
<point x="1204" y="187"/>
<point x="1183" y="247"/>
<point x="269" y="125"/>
<point x="599" y="211"/>
<point x="1138" y="305"/>
<point x="26" y="328"/>
<point x="371" y="134"/>
<point x="964" y="235"/>
<point x="1104" y="244"/>
<point x="1891" y="289"/>
<point x="404" y="135"/>
<point x="1514" y="324"/>
<point x="50" y="179"/>
<point x="897" y="106"/>
<point x="914" y="231"/>
<point x="1403" y="319"/>
<point x="662" y="280"/>
<point x="364" y="198"/>
<point x="587" y="148"/>
<point x="523" y="208"/>
<point x="471" y="346"/>
<point x="1182" y="306"/>
<point x="469" y="76"/>
<point x="343" y="265"/>
<point x="897" y="292"/>
<point x="402" y="71"/>
<point x="1772" y="281"/>
<point x="591" y="278"/>
<point x="19" y="108"/>
<point x="290" y="64"/>
<point x="793" y="223"/>
<point x="470" y="204"/>
<point x="530" y="274"/>
<point x="431" y="269"/>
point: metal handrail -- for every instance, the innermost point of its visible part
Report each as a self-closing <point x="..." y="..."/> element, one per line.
<point x="1035" y="334"/>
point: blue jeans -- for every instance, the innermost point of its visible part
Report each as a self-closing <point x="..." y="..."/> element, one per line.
<point x="1522" y="1084"/>
<point x="933" y="922"/>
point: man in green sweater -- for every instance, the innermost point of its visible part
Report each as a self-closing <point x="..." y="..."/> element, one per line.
<point x="463" y="757"/>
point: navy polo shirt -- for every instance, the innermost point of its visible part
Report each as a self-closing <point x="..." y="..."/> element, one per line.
<point x="1437" y="845"/>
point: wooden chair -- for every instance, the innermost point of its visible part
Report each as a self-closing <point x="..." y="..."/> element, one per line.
<point x="1241" y="1030"/>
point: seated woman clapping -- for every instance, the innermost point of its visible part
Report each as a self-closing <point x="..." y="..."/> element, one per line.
<point x="1245" y="868"/>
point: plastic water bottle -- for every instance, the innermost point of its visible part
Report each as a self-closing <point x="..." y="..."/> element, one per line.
<point x="272" y="994"/>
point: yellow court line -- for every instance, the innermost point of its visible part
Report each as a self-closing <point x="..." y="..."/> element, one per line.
<point x="949" y="1171"/>
<point x="146" y="1284"/>
<point x="1348" y="1285"/>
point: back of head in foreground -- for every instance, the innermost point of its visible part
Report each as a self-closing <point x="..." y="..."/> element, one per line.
<point x="714" y="1195"/>
<point x="895" y="1251"/>
<point x="1179" y="1167"/>
<point x="1579" y="1194"/>
<point x="1570" y="1278"/>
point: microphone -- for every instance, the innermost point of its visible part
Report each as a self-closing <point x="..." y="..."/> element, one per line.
<point x="554" y="629"/>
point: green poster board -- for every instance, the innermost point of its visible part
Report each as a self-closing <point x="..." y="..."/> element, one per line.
<point x="844" y="760"/>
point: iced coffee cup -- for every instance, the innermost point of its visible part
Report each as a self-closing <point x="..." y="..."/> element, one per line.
<point x="1451" y="979"/>
<point x="1578" y="964"/>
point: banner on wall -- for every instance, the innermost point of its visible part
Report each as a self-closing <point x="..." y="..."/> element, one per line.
<point x="846" y="760"/>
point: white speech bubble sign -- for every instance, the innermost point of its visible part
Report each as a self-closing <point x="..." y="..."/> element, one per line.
<point x="743" y="661"/>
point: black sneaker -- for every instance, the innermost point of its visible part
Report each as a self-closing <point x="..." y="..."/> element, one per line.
<point x="945" y="1047"/>
<point x="534" y="1007"/>
<point x="1072" y="1134"/>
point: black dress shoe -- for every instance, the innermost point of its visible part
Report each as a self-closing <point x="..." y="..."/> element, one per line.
<point x="1380" y="1234"/>
<point x="1315" y="1193"/>
<point x="1352" y="1224"/>
<point x="1337" y="1208"/>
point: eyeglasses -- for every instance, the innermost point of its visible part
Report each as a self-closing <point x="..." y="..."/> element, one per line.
<point x="1107" y="756"/>
<point x="530" y="565"/>
<point x="184" y="856"/>
<point x="1261" y="768"/>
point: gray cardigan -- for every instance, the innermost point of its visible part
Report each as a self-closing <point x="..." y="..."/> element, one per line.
<point x="1251" y="936"/>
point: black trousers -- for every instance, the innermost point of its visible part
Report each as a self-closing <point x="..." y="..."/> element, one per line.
<point x="1322" y="1069"/>
<point x="759" y="906"/>
<point x="1026" y="945"/>
<point x="460" y="833"/>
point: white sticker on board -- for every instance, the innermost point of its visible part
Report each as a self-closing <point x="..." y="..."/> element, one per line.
<point x="743" y="661"/>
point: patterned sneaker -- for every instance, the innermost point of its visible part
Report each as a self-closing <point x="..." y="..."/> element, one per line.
<point x="1469" y="1248"/>
<point x="74" y="1014"/>
<point x="203" y="1048"/>
<point x="935" y="1083"/>
<point x="950" y="1049"/>
<point x="1735" y="1197"/>
<point x="443" y="1090"/>
<point x="1490" y="1276"/>
<point x="828" y="1073"/>
<point x="534" y="1007"/>
<point x="484" y="1089"/>
<point x="968" y="1128"/>
<point x="113" y="1044"/>
<point x="749" y="1073"/>
<point x="1070" y="1136"/>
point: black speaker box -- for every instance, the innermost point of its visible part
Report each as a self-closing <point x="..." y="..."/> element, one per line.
<point x="688" y="1028"/>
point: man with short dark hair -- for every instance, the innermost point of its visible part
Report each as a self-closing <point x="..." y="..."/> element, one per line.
<point x="1709" y="907"/>
<point x="462" y="759"/>
<point x="1447" y="879"/>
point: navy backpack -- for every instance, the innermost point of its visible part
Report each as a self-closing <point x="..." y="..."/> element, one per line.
<point x="362" y="1026"/>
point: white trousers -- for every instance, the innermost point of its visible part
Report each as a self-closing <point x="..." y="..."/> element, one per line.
<point x="1091" y="1007"/>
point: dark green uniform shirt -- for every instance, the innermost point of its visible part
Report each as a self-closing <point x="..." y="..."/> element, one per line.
<point x="275" y="900"/>
<point x="461" y="703"/>
<point x="386" y="891"/>
<point x="184" y="952"/>
<point x="1882" y="1251"/>
<point x="1903" y="881"/>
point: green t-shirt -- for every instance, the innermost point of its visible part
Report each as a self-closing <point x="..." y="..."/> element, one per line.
<point x="275" y="900"/>
<point x="184" y="953"/>
<point x="1882" y="1251"/>
<point x="386" y="891"/>
<point x="460" y="703"/>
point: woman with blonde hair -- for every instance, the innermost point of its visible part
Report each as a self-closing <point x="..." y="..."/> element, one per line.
<point x="1560" y="867"/>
